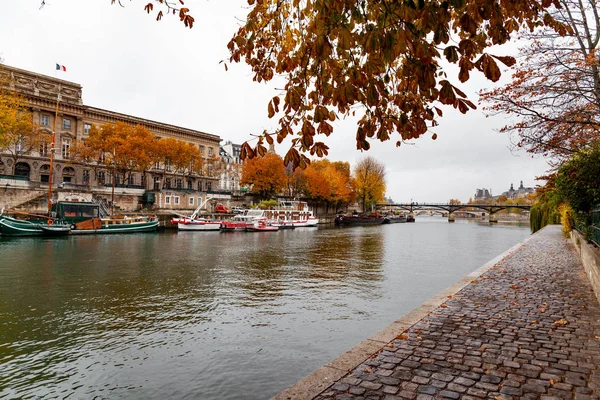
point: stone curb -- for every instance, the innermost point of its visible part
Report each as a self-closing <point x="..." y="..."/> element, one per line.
<point x="315" y="383"/>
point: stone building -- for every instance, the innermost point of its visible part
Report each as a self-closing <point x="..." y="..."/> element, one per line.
<point x="159" y="187"/>
<point x="231" y="171"/>
<point x="482" y="194"/>
<point x="522" y="191"/>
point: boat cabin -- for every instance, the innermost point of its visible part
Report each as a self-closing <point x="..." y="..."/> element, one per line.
<point x="74" y="212"/>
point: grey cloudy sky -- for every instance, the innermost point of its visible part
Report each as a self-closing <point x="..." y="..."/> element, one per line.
<point x="128" y="62"/>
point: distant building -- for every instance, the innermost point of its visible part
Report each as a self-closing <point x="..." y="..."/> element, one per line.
<point x="231" y="171"/>
<point x="482" y="194"/>
<point x="521" y="192"/>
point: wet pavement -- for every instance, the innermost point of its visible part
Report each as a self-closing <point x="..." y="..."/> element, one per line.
<point x="528" y="328"/>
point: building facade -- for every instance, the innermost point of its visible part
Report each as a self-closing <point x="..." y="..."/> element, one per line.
<point x="74" y="120"/>
<point x="231" y="171"/>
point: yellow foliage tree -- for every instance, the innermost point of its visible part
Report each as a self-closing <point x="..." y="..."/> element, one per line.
<point x="369" y="178"/>
<point x="18" y="134"/>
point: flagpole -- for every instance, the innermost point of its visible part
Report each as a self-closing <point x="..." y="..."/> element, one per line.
<point x="52" y="150"/>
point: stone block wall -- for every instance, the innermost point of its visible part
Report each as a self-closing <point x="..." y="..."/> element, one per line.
<point x="590" y="257"/>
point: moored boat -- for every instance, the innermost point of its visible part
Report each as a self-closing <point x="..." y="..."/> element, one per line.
<point x="359" y="220"/>
<point x="262" y="225"/>
<point x="239" y="223"/>
<point x="198" y="224"/>
<point x="394" y="219"/>
<point x="85" y="218"/>
<point x="39" y="225"/>
<point x="10" y="226"/>
<point x="295" y="212"/>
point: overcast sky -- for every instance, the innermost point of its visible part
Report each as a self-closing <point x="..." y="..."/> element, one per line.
<point x="128" y="62"/>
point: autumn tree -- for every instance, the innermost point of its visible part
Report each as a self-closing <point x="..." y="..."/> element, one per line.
<point x="265" y="175"/>
<point x="381" y="59"/>
<point x="318" y="187"/>
<point x="18" y="134"/>
<point x="454" y="202"/>
<point x="122" y="147"/>
<point x="554" y="95"/>
<point x="369" y="179"/>
<point x="295" y="182"/>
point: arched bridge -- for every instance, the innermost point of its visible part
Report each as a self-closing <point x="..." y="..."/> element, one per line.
<point x="491" y="209"/>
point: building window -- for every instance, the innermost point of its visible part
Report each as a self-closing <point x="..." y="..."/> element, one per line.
<point x="157" y="165"/>
<point x="210" y="151"/>
<point x="156" y="183"/>
<point x="86" y="129"/>
<point x="66" y="145"/>
<point x="168" y="183"/>
<point x="208" y="186"/>
<point x="191" y="201"/>
<point x="101" y="177"/>
<point x="167" y="165"/>
<point x="202" y="150"/>
<point x="143" y="180"/>
<point x="45" y="120"/>
<point x="45" y="173"/>
<point x="44" y="149"/>
<point x="131" y="179"/>
<point x="179" y="183"/>
<point x="67" y="124"/>
<point x="176" y="200"/>
<point x="168" y="200"/>
<point x="86" y="177"/>
<point x="190" y="184"/>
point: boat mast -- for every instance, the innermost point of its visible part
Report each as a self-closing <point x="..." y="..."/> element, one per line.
<point x="112" y="199"/>
<point x="52" y="150"/>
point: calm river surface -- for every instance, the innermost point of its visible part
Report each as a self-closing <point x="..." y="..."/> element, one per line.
<point x="209" y="315"/>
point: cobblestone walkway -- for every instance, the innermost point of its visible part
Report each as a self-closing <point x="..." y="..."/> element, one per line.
<point x="529" y="328"/>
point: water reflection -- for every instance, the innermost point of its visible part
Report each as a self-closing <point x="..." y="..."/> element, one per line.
<point x="210" y="315"/>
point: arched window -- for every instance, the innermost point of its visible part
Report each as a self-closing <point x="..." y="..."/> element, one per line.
<point x="45" y="173"/>
<point x="68" y="175"/>
<point x="22" y="169"/>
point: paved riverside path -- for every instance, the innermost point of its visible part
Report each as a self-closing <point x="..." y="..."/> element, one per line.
<point x="528" y="328"/>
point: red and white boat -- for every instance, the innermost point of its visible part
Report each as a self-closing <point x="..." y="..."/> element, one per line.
<point x="310" y="222"/>
<point x="195" y="223"/>
<point x="198" y="224"/>
<point x="239" y="223"/>
<point x="287" y="212"/>
<point x="262" y="225"/>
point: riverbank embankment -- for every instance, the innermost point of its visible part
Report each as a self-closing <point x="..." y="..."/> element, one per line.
<point x="525" y="325"/>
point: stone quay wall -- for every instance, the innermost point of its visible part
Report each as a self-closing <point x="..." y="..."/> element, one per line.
<point x="590" y="257"/>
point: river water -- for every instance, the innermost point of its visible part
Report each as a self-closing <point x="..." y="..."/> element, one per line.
<point x="209" y="315"/>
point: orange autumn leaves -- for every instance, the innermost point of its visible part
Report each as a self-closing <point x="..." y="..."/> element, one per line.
<point x="322" y="181"/>
<point x="378" y="60"/>
<point x="130" y="148"/>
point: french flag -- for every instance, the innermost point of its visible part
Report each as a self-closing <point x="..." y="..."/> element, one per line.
<point x="61" y="68"/>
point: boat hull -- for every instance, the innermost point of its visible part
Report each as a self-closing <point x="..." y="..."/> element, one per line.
<point x="55" y="230"/>
<point x="199" y="226"/>
<point x="150" y="226"/>
<point x="14" y="227"/>
<point x="394" y="220"/>
<point x="358" y="220"/>
<point x="235" y="226"/>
